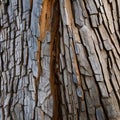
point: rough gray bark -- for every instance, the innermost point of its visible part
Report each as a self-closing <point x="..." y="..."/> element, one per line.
<point x="59" y="60"/>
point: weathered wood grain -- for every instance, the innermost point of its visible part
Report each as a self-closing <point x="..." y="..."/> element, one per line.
<point x="59" y="60"/>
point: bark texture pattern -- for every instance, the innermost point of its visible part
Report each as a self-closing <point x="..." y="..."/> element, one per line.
<point x="59" y="60"/>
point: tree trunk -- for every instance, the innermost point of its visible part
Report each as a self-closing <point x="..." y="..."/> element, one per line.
<point x="59" y="60"/>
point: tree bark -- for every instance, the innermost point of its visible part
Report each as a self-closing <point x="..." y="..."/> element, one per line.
<point x="59" y="60"/>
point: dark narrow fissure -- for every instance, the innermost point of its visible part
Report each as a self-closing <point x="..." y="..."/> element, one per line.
<point x="54" y="61"/>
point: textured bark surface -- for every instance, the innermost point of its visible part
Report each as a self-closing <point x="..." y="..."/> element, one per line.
<point x="59" y="59"/>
